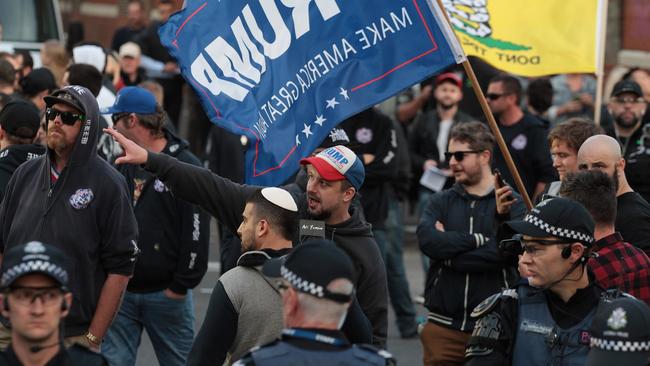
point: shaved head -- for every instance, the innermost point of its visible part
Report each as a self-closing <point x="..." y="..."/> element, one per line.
<point x="603" y="153"/>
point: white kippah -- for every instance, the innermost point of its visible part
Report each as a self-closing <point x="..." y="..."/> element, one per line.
<point x="280" y="197"/>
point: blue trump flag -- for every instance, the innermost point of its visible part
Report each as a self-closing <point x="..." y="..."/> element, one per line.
<point x="285" y="72"/>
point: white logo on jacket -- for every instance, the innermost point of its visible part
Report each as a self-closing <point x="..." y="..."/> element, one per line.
<point x="81" y="198"/>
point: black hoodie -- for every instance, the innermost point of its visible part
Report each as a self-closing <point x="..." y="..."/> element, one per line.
<point x="174" y="235"/>
<point x="11" y="158"/>
<point x="225" y="201"/>
<point x="87" y="214"/>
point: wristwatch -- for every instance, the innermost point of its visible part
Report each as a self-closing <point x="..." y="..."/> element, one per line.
<point x="93" y="338"/>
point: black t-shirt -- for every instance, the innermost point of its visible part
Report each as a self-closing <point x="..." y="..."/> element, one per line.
<point x="526" y="141"/>
<point x="633" y="220"/>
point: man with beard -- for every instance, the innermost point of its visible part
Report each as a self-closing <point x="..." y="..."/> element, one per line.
<point x="524" y="134"/>
<point x="429" y="135"/>
<point x="456" y="231"/>
<point x="79" y="203"/>
<point x="335" y="175"/>
<point x="602" y="152"/>
<point x="245" y="308"/>
<point x="627" y="108"/>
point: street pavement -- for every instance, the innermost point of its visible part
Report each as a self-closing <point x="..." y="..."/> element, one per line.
<point x="406" y="351"/>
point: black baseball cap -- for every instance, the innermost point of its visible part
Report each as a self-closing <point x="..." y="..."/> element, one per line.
<point x="559" y="217"/>
<point x="70" y="95"/>
<point x="311" y="267"/>
<point x="20" y="118"/>
<point x="34" y="257"/>
<point x="37" y="81"/>
<point x="620" y="333"/>
<point x="627" y="86"/>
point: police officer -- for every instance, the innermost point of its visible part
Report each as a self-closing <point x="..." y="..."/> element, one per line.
<point x="545" y="322"/>
<point x="35" y="298"/>
<point x="315" y="281"/>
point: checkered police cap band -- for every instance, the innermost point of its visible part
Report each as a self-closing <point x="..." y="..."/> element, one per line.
<point x="558" y="231"/>
<point x="311" y="288"/>
<point x="31" y="266"/>
<point x="620" y="346"/>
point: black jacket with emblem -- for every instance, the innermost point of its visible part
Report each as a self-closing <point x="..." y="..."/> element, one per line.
<point x="173" y="235"/>
<point x="466" y="266"/>
<point x="225" y="201"/>
<point x="12" y="157"/>
<point x="87" y="214"/>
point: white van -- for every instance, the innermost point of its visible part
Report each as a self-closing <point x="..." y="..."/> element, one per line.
<point x="26" y="24"/>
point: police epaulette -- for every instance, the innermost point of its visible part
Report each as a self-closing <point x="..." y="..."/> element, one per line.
<point x="488" y="304"/>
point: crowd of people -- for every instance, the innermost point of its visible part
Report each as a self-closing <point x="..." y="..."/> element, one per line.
<point x="106" y="209"/>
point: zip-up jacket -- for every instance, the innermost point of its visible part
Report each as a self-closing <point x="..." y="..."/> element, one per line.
<point x="87" y="214"/>
<point x="11" y="158"/>
<point x="225" y="201"/>
<point x="173" y="234"/>
<point x="466" y="266"/>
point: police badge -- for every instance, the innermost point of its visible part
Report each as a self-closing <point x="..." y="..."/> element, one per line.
<point x="81" y="198"/>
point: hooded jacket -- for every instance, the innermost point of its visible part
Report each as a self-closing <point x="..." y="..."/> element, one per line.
<point x="174" y="235"/>
<point x="225" y="201"/>
<point x="466" y="267"/>
<point x="86" y="213"/>
<point x="12" y="157"/>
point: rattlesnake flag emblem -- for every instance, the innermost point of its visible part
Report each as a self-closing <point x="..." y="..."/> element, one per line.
<point x="529" y="38"/>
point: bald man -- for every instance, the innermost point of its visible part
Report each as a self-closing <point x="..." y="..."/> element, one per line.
<point x="602" y="152"/>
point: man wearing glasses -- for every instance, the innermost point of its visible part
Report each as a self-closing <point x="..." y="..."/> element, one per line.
<point x="627" y="107"/>
<point x="35" y="298"/>
<point x="456" y="233"/>
<point x="72" y="197"/>
<point x="524" y="134"/>
<point x="546" y="322"/>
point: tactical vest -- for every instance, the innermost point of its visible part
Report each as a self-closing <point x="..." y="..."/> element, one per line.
<point x="284" y="354"/>
<point x="541" y="342"/>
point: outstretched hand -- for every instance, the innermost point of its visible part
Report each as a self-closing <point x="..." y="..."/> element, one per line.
<point x="133" y="153"/>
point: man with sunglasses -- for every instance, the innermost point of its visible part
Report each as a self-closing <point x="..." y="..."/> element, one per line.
<point x="36" y="299"/>
<point x="173" y="235"/>
<point x="524" y="134"/>
<point x="75" y="199"/>
<point x="456" y="233"/>
<point x="627" y="108"/>
<point x="547" y="321"/>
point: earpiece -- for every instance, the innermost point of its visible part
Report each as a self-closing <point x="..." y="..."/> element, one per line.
<point x="566" y="252"/>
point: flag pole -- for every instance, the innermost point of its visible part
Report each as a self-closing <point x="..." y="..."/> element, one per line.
<point x="600" y="57"/>
<point x="493" y="124"/>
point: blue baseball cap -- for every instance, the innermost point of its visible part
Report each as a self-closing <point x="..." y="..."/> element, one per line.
<point x="133" y="99"/>
<point x="338" y="163"/>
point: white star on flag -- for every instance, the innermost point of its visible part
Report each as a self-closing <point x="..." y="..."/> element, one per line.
<point x="331" y="103"/>
<point x="320" y="120"/>
<point x="344" y="94"/>
<point x="307" y="130"/>
<point x="297" y="140"/>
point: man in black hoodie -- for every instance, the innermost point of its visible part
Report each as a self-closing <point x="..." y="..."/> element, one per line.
<point x="331" y="187"/>
<point x="72" y="198"/>
<point x="174" y="239"/>
<point x="19" y="122"/>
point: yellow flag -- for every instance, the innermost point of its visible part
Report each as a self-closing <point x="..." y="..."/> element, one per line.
<point x="529" y="37"/>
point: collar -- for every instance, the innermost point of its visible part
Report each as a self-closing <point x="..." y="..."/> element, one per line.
<point x="325" y="336"/>
<point x="58" y="359"/>
<point x="608" y="240"/>
<point x="255" y="258"/>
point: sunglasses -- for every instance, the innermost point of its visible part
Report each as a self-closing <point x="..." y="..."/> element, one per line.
<point x="118" y="116"/>
<point x="459" y="155"/>
<point x="494" y="96"/>
<point x="68" y="118"/>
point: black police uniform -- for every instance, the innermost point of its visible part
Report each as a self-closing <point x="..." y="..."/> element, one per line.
<point x="76" y="355"/>
<point x="301" y="346"/>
